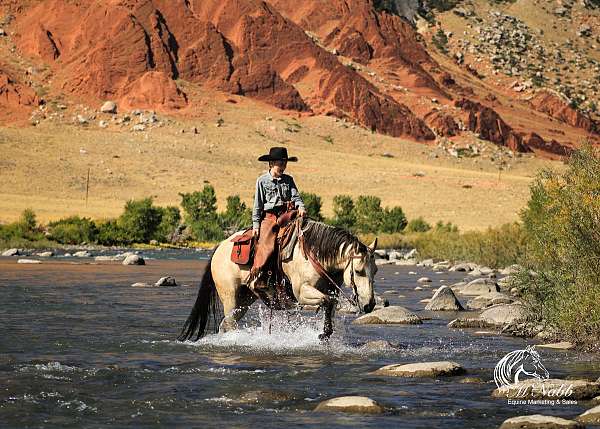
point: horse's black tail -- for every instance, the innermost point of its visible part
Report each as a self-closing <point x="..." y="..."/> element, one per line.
<point x="207" y="313"/>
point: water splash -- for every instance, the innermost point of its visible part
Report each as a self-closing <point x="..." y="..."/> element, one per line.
<point x="281" y="332"/>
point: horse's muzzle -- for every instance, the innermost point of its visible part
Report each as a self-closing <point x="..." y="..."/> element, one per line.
<point x="369" y="307"/>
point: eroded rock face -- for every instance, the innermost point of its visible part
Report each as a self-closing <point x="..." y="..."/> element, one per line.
<point x="133" y="52"/>
<point x="553" y="105"/>
<point x="16" y="100"/>
<point x="487" y="123"/>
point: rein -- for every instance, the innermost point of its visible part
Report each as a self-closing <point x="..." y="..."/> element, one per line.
<point x="323" y="272"/>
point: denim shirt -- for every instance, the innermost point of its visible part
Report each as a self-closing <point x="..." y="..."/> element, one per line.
<point x="272" y="192"/>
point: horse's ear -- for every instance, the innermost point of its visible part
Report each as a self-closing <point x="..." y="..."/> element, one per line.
<point x="373" y="245"/>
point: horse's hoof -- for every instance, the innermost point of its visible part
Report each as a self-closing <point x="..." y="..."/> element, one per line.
<point x="324" y="337"/>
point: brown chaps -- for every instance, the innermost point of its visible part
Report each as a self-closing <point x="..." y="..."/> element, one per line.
<point x="267" y="238"/>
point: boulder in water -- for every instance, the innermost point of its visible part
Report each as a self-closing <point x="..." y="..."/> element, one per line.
<point x="424" y="280"/>
<point x="479" y="287"/>
<point x="422" y="369"/>
<point x="139" y="284"/>
<point x="134" y="260"/>
<point x="389" y="315"/>
<point x="503" y="314"/>
<point x="538" y="421"/>
<point x="591" y="416"/>
<point x="47" y="254"/>
<point x="167" y="281"/>
<point x="82" y="254"/>
<point x="488" y="299"/>
<point x="444" y="300"/>
<point x="377" y="346"/>
<point x="351" y="404"/>
<point x="28" y="261"/>
<point x="11" y="252"/>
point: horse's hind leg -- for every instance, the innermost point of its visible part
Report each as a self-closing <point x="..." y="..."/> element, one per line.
<point x="235" y="307"/>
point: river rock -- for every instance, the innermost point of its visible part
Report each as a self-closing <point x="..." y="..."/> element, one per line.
<point x="563" y="345"/>
<point x="47" y="254"/>
<point x="109" y="107"/>
<point x="463" y="267"/>
<point x="28" y="261"/>
<point x="503" y="314"/>
<point x="134" y="260"/>
<point x="591" y="416"/>
<point x="102" y="258"/>
<point x="166" y="282"/>
<point x="537" y="421"/>
<point x="470" y="322"/>
<point x="479" y="287"/>
<point x="422" y="369"/>
<point x="389" y="315"/>
<point x="82" y="254"/>
<point x="351" y="404"/>
<point x="424" y="280"/>
<point x="11" y="252"/>
<point x="444" y="300"/>
<point x="549" y="389"/>
<point x="487" y="300"/>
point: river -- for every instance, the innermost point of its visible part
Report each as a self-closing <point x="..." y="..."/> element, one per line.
<point x="79" y="347"/>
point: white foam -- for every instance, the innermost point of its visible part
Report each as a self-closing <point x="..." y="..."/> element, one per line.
<point x="281" y="332"/>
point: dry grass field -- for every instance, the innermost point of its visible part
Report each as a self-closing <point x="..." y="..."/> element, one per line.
<point x="45" y="167"/>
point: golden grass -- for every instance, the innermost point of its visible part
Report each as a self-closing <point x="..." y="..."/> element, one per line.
<point x="43" y="168"/>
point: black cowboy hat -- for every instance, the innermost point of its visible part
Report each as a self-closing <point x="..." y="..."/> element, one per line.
<point x="278" y="154"/>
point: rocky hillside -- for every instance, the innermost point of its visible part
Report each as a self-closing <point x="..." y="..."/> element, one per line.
<point x="457" y="74"/>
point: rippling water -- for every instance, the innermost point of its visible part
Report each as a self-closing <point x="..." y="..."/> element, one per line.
<point x="80" y="347"/>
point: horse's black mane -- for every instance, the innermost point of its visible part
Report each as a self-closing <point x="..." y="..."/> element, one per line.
<point x="324" y="241"/>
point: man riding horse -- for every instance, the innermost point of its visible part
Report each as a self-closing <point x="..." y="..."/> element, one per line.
<point x="276" y="203"/>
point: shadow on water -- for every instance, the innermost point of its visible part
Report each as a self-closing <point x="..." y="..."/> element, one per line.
<point x="80" y="347"/>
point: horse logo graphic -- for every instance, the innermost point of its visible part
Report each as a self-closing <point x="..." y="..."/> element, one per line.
<point x="519" y="364"/>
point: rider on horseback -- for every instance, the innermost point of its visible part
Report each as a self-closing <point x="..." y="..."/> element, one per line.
<point x="276" y="202"/>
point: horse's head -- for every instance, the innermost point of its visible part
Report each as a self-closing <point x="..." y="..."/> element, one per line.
<point x="532" y="364"/>
<point x="360" y="273"/>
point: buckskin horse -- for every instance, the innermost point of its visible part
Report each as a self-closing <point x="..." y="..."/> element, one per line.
<point x="323" y="258"/>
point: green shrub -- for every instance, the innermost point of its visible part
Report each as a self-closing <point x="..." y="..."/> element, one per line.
<point x="236" y="215"/>
<point x="495" y="247"/>
<point x="393" y="220"/>
<point x="140" y="220"/>
<point x="312" y="203"/>
<point x="562" y="223"/>
<point x="418" y="225"/>
<point x="110" y="233"/>
<point x="73" y="230"/>
<point x="25" y="228"/>
<point x="440" y="41"/>
<point x="170" y="219"/>
<point x="368" y="213"/>
<point x="343" y="212"/>
<point x="199" y="204"/>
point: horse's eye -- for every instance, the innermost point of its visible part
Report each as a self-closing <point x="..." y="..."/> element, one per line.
<point x="361" y="273"/>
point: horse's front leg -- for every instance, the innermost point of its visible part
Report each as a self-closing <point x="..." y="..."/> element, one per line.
<point x="329" y="306"/>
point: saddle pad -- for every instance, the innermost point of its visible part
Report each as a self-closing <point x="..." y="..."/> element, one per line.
<point x="243" y="247"/>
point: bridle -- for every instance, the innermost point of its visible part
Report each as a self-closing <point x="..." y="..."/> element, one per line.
<point x="323" y="273"/>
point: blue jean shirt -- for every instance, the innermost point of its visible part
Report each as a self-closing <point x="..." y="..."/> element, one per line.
<point x="272" y="192"/>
